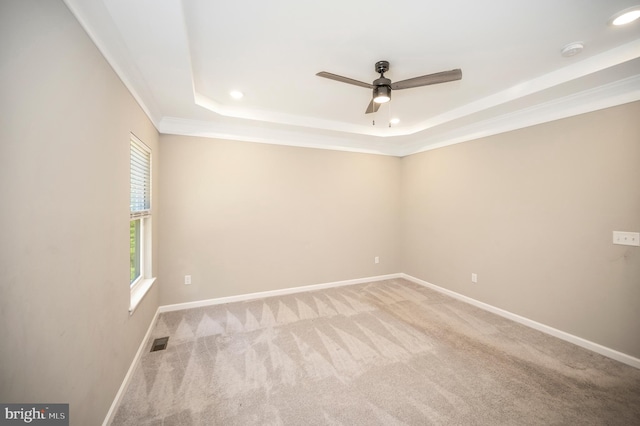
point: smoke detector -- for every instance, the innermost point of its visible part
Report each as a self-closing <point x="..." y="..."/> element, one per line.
<point x="572" y="49"/>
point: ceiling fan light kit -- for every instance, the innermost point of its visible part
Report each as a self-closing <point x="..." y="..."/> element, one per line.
<point x="381" y="94"/>
<point x="382" y="86"/>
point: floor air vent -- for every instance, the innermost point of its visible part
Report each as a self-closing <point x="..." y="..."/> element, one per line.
<point x="160" y="344"/>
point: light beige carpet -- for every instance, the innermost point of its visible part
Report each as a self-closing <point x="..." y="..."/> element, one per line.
<point x="383" y="353"/>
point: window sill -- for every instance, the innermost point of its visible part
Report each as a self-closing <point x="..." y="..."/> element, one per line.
<point x="138" y="292"/>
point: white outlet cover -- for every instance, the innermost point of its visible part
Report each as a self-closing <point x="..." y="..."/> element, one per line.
<point x="626" y="238"/>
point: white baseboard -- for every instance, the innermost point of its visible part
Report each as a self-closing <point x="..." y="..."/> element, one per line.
<point x="127" y="377"/>
<point x="595" y="347"/>
<point x="271" y="293"/>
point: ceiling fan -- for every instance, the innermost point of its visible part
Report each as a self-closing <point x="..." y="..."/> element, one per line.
<point x="382" y="86"/>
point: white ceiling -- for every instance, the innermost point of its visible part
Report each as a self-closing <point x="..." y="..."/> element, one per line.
<point x="181" y="58"/>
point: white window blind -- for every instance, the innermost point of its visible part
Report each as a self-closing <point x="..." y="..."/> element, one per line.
<point x="140" y="204"/>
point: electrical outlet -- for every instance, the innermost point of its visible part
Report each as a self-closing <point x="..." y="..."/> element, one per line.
<point x="626" y="238"/>
<point x="376" y="259"/>
<point x="187" y="279"/>
<point x="474" y="278"/>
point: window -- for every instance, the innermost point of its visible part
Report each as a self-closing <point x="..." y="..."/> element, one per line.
<point x="140" y="279"/>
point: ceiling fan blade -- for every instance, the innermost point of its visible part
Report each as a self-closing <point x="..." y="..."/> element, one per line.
<point x="344" y="79"/>
<point x="425" y="80"/>
<point x="373" y="107"/>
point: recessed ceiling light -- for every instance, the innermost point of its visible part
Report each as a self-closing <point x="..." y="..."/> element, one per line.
<point x="236" y="94"/>
<point x="572" y="49"/>
<point x="394" y="120"/>
<point x="625" y="16"/>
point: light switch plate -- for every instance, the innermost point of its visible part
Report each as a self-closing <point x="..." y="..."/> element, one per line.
<point x="626" y="238"/>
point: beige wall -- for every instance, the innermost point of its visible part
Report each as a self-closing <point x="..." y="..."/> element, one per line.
<point x="65" y="120"/>
<point x="532" y="213"/>
<point x="245" y="217"/>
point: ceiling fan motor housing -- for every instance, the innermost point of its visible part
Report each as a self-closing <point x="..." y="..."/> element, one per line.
<point x="382" y="89"/>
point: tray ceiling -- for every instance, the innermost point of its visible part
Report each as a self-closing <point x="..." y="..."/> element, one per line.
<point x="181" y="59"/>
